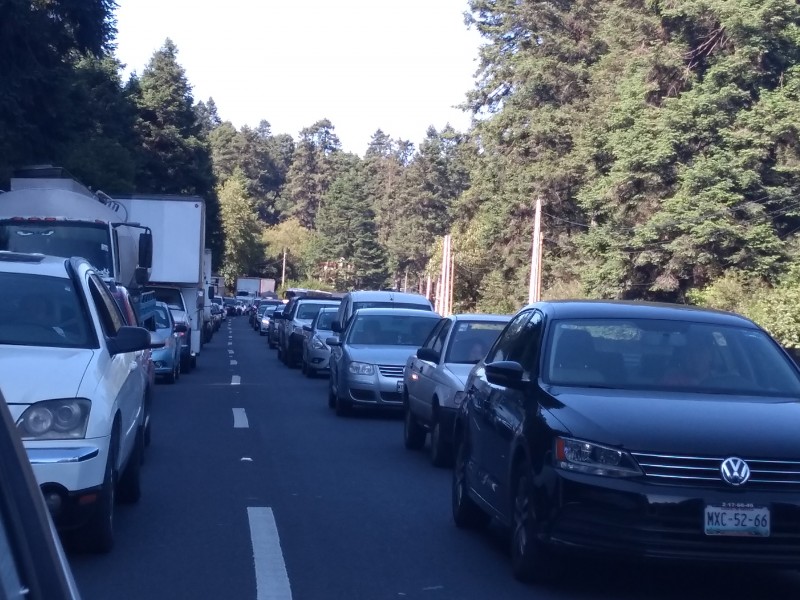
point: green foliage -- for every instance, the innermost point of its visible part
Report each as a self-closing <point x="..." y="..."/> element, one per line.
<point x="243" y="249"/>
<point x="291" y="236"/>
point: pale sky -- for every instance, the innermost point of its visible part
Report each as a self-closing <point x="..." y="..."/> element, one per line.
<point x="397" y="65"/>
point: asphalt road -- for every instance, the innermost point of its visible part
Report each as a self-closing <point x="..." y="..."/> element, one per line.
<point x="251" y="478"/>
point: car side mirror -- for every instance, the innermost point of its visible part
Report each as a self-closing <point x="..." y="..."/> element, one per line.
<point x="146" y="250"/>
<point x="129" y="339"/>
<point x="428" y="354"/>
<point x="333" y="341"/>
<point x="504" y="373"/>
<point x="336" y="327"/>
<point x="307" y="328"/>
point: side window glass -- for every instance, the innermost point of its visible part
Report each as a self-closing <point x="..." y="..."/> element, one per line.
<point x="432" y="337"/>
<point x="507" y="346"/>
<point x="438" y="343"/>
<point x="530" y="348"/>
<point x="110" y="317"/>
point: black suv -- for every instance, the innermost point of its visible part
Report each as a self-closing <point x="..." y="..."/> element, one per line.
<point x="635" y="429"/>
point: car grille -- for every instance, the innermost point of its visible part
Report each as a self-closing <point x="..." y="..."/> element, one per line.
<point x="391" y="371"/>
<point x="705" y="472"/>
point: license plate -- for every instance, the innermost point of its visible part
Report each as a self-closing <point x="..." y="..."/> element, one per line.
<point x="737" y="519"/>
<point x="399" y="387"/>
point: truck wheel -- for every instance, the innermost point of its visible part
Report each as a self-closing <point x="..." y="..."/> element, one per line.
<point x="193" y="362"/>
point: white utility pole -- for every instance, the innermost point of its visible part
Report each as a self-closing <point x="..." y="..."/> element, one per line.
<point x="534" y="287"/>
<point x="283" y="273"/>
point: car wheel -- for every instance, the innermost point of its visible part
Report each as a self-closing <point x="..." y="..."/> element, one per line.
<point x="130" y="483"/>
<point x="529" y="559"/>
<point x="413" y="432"/>
<point x="343" y="407"/>
<point x="148" y="426"/>
<point x="270" y="344"/>
<point x="331" y="395"/>
<point x="172" y="377"/>
<point x="466" y="513"/>
<point x="441" y="452"/>
<point x="98" y="533"/>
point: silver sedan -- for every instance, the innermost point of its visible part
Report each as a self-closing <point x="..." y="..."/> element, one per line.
<point x="316" y="352"/>
<point x="434" y="379"/>
<point x="367" y="360"/>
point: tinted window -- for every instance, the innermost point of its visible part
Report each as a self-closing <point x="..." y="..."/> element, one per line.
<point x="325" y="320"/>
<point x="110" y="317"/>
<point x="42" y="311"/>
<point x="386" y="330"/>
<point x="308" y="311"/>
<point x="162" y="318"/>
<point x="511" y="344"/>
<point x="438" y="342"/>
<point x="471" y="341"/>
<point x="668" y="355"/>
<point x="169" y="296"/>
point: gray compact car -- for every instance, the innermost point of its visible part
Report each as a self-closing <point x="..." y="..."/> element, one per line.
<point x="368" y="358"/>
<point x="434" y="379"/>
<point x="317" y="353"/>
<point x="296" y="315"/>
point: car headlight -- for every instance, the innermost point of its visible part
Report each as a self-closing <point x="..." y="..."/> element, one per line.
<point x="359" y="368"/>
<point x="594" y="459"/>
<point x="317" y="344"/>
<point x="297" y="328"/>
<point x="55" y="420"/>
<point x="265" y="320"/>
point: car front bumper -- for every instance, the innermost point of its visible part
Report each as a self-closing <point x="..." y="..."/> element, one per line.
<point x="318" y="359"/>
<point x="70" y="474"/>
<point x="644" y="520"/>
<point x="164" y="361"/>
<point x="374" y="390"/>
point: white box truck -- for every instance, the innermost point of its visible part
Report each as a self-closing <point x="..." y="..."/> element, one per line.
<point x="178" y="224"/>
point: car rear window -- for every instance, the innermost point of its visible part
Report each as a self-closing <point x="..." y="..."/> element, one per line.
<point x="325" y="320"/>
<point x="43" y="311"/>
<point x="668" y="355"/>
<point x="309" y="311"/>
<point x="471" y="340"/>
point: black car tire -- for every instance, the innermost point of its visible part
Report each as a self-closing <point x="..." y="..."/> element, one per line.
<point x="172" y="377"/>
<point x="331" y="395"/>
<point x="343" y="407"/>
<point x="413" y="433"/>
<point x="466" y="513"/>
<point x="130" y="483"/>
<point x="98" y="533"/>
<point x="530" y="561"/>
<point x="441" y="451"/>
<point x="193" y="362"/>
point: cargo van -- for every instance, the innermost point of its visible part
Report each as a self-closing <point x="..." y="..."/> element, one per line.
<point x="353" y="301"/>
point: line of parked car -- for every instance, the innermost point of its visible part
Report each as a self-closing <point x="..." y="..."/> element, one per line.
<point x="634" y="430"/>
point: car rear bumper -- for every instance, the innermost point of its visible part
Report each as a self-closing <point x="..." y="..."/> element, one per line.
<point x="667" y="522"/>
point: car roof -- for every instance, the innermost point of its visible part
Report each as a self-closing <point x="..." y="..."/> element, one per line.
<point x="367" y="295"/>
<point x="20" y="262"/>
<point x="329" y="309"/>
<point x="631" y="309"/>
<point x="398" y="312"/>
<point x="480" y="317"/>
<point x="328" y="301"/>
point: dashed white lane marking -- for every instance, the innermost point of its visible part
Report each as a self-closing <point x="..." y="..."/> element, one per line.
<point x="234" y="363"/>
<point x="272" y="581"/>
<point x="236" y="380"/>
<point x="230" y="351"/>
<point x="240" y="419"/>
<point x="230" y="343"/>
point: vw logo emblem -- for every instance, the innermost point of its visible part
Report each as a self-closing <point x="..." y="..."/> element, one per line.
<point x="735" y="471"/>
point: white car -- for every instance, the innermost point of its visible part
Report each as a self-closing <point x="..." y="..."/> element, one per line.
<point x="69" y="374"/>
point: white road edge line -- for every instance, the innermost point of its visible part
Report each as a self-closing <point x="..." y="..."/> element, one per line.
<point x="240" y="419"/>
<point x="234" y="363"/>
<point x="236" y="380"/>
<point x="272" y="580"/>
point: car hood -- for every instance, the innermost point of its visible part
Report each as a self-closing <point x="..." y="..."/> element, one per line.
<point x="381" y="355"/>
<point x="461" y="371"/>
<point x="681" y="423"/>
<point x="30" y="374"/>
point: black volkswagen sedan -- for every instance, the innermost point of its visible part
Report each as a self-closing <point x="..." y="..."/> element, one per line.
<point x="642" y="430"/>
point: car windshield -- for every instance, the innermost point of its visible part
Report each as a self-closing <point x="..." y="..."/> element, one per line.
<point x="471" y="340"/>
<point x="387" y="304"/>
<point x="668" y="355"/>
<point x="170" y="296"/>
<point x="391" y="330"/>
<point x="309" y="311"/>
<point x="325" y="320"/>
<point x="59" y="238"/>
<point x="162" y="318"/>
<point x="42" y="311"/>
